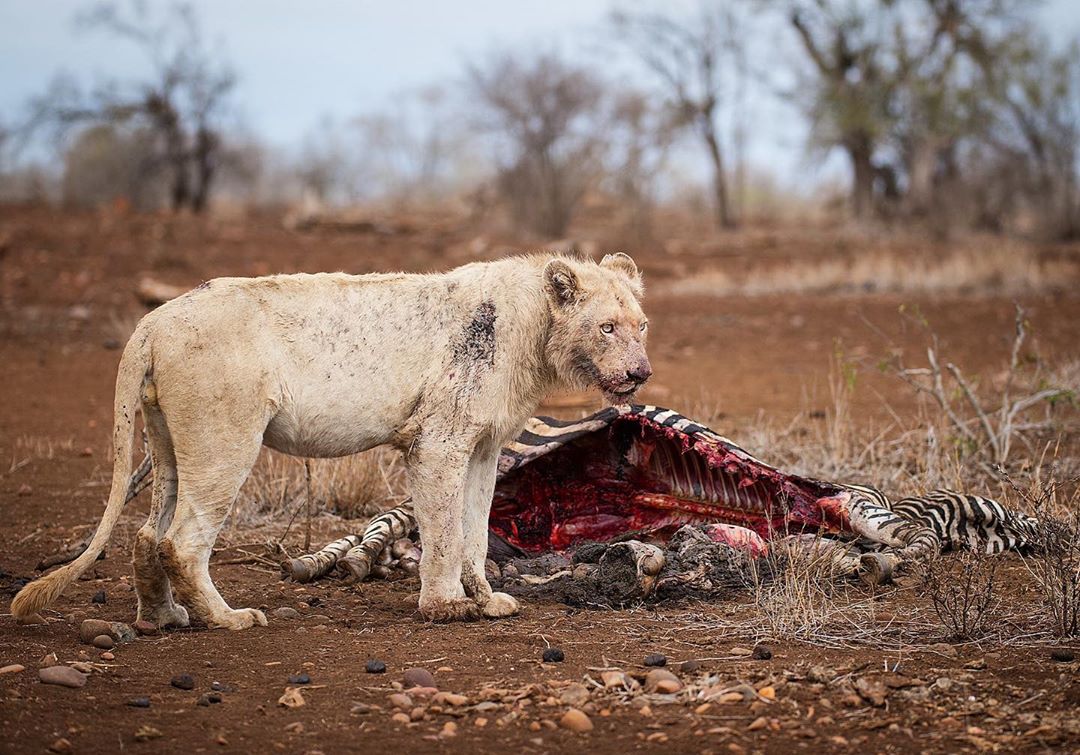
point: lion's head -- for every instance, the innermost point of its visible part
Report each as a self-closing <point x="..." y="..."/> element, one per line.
<point x="598" y="330"/>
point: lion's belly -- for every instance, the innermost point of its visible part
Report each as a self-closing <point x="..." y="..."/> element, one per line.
<point x="338" y="420"/>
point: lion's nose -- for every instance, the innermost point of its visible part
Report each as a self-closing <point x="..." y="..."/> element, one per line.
<point x="641" y="373"/>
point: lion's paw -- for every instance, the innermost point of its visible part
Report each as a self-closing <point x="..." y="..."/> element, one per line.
<point x="171" y="616"/>
<point x="500" y="605"/>
<point x="240" y="618"/>
<point x="442" y="611"/>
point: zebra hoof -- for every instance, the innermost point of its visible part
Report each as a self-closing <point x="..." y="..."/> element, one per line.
<point x="297" y="570"/>
<point x="355" y="570"/>
<point x="875" y="569"/>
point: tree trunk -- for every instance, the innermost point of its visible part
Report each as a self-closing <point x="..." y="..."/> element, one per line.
<point x="722" y="206"/>
<point x="921" y="166"/>
<point x="205" y="144"/>
<point x="862" y="186"/>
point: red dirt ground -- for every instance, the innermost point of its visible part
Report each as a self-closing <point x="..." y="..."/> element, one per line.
<point x="66" y="283"/>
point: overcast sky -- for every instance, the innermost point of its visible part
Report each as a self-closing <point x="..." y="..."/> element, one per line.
<point x="300" y="61"/>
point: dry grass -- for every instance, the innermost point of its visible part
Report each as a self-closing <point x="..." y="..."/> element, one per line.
<point x="999" y="268"/>
<point x="353" y="487"/>
<point x="800" y="594"/>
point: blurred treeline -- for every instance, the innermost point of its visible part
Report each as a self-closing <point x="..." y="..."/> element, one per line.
<point x="954" y="114"/>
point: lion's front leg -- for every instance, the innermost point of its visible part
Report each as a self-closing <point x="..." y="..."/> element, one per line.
<point x="437" y="483"/>
<point x="479" y="489"/>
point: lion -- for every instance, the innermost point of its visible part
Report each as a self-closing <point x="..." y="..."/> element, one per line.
<point x="445" y="367"/>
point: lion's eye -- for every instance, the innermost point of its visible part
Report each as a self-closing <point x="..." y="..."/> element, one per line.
<point x="608" y="328"/>
<point x="643" y="326"/>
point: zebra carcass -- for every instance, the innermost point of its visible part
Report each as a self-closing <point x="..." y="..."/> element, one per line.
<point x="629" y="488"/>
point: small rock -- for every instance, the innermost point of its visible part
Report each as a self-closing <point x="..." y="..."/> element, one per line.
<point x="219" y="687"/>
<point x="49" y="659"/>
<point x="401" y="718"/>
<point x="139" y="702"/>
<point x="690" y="667"/>
<point x="313" y="601"/>
<point x="944" y="649"/>
<point x="417" y="713"/>
<point x="99" y="598"/>
<point x="449" y="729"/>
<point x="209" y="698"/>
<point x="63" y="676"/>
<point x="183" y="681"/>
<point x="662" y="681"/>
<point x="762" y="653"/>
<point x="285" y="613"/>
<point x="978" y="664"/>
<point x="60" y="745"/>
<point x="145" y="627"/>
<point x="614" y="679"/>
<point x="655" y="659"/>
<point x="943" y="684"/>
<point x="14" y="668"/>
<point x="401" y="700"/>
<point x="301" y="678"/>
<point x="668" y="686"/>
<point x="872" y="691"/>
<point x="741" y="651"/>
<point x="296" y="727"/>
<point x="319" y="618"/>
<point x="82" y="668"/>
<point x="146" y="733"/>
<point x="576" y="694"/>
<point x="449" y="698"/>
<point x="91" y="628"/>
<point x="375" y="667"/>
<point x="1061" y="655"/>
<point x="107" y="656"/>
<point x="758" y="723"/>
<point x="292" y="698"/>
<point x="103" y="642"/>
<point x="419" y="677"/>
<point x="554" y="655"/>
<point x="25" y="490"/>
<point x="576" y="721"/>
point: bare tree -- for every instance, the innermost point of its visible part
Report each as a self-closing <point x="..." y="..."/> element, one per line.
<point x="697" y="60"/>
<point x="182" y="99"/>
<point x="547" y="118"/>
<point x="900" y="86"/>
<point x="639" y="141"/>
<point x="1040" y="94"/>
<point x="415" y="150"/>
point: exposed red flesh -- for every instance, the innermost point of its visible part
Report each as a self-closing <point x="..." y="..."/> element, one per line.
<point x="638" y="476"/>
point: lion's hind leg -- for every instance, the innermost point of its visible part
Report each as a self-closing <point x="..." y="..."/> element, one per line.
<point x="210" y="476"/>
<point x="152" y="586"/>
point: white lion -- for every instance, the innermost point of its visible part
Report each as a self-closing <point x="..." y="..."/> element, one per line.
<point x="445" y="367"/>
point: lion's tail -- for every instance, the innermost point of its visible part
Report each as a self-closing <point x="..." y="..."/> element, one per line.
<point x="134" y="365"/>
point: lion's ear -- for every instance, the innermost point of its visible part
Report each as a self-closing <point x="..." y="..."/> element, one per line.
<point x="561" y="281"/>
<point x="623" y="263"/>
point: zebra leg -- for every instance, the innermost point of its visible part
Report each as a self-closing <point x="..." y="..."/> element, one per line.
<point x="870" y="516"/>
<point x="842" y="555"/>
<point x="380" y="533"/>
<point x="311" y="566"/>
